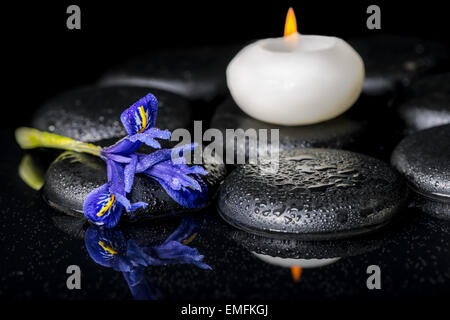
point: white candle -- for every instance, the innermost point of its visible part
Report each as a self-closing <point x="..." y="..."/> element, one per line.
<point x="296" y="79"/>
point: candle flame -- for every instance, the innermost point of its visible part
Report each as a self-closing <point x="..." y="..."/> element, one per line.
<point x="290" y="26"/>
<point x="296" y="273"/>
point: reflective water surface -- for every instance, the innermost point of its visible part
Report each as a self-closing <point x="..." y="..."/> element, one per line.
<point x="163" y="259"/>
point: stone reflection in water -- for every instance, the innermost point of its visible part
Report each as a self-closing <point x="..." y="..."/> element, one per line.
<point x="436" y="206"/>
<point x="299" y="255"/>
<point x="111" y="249"/>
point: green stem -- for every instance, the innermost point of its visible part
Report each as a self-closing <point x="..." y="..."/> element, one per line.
<point x="30" y="138"/>
<point x="30" y="173"/>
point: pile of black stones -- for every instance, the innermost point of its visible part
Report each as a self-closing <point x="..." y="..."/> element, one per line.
<point x="345" y="177"/>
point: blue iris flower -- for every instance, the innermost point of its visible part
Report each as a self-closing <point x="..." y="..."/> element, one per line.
<point x="181" y="182"/>
<point x="104" y="205"/>
<point x="109" y="248"/>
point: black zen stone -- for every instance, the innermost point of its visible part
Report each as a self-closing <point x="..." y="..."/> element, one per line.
<point x="391" y="62"/>
<point x="428" y="103"/>
<point x="424" y="159"/>
<point x="72" y="176"/>
<point x="195" y="73"/>
<point x="93" y="113"/>
<point x="341" y="132"/>
<point x="314" y="194"/>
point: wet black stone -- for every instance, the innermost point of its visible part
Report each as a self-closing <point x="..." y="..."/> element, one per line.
<point x="315" y="194"/>
<point x="391" y="62"/>
<point x="195" y="73"/>
<point x="424" y="159"/>
<point x="428" y="103"/>
<point x="341" y="132"/>
<point x="93" y="113"/>
<point x="72" y="176"/>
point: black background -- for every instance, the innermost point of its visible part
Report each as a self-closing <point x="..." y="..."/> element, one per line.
<point x="42" y="57"/>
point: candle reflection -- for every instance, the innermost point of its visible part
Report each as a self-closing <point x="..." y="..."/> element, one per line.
<point x="296" y="265"/>
<point x="299" y="256"/>
<point x="296" y="273"/>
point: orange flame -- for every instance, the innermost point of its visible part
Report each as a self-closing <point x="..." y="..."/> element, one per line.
<point x="296" y="273"/>
<point x="290" y="26"/>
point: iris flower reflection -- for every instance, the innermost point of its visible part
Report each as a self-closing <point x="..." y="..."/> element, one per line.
<point x="110" y="248"/>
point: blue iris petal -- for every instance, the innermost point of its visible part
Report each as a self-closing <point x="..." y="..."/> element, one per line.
<point x="176" y="154"/>
<point x="122" y="147"/>
<point x="129" y="171"/>
<point x="186" y="229"/>
<point x="140" y="286"/>
<point x="141" y="115"/>
<point x="139" y="122"/>
<point x="176" y="251"/>
<point x="180" y="181"/>
<point x="187" y="197"/>
<point x="148" y="137"/>
<point x="104" y="205"/>
<point x="121" y="176"/>
<point x="101" y="207"/>
<point x="174" y="175"/>
<point x="116" y="176"/>
<point x="130" y="207"/>
<point x="105" y="246"/>
<point x="118" y="158"/>
<point x="120" y="170"/>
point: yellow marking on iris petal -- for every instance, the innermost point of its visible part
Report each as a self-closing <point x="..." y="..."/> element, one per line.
<point x="188" y="240"/>
<point x="107" y="248"/>
<point x="144" y="118"/>
<point x="105" y="208"/>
